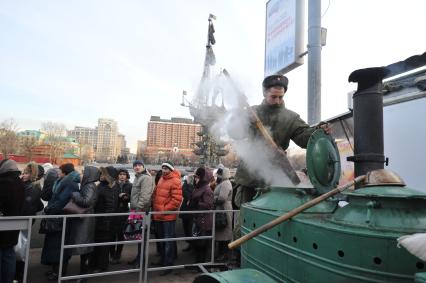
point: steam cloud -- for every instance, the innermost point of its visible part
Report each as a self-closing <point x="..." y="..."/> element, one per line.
<point x="233" y="126"/>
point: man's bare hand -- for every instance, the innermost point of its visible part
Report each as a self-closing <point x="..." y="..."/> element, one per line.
<point x="326" y="127"/>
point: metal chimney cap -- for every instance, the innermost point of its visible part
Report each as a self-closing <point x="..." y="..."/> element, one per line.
<point x="368" y="77"/>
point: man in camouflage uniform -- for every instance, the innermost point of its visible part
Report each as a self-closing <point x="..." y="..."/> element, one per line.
<point x="284" y="125"/>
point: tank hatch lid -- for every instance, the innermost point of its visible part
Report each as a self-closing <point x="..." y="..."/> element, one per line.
<point x="323" y="161"/>
<point x="387" y="191"/>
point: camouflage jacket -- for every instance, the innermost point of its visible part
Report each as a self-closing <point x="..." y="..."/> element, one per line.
<point x="284" y="125"/>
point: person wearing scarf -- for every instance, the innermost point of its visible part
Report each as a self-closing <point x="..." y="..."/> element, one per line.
<point x="63" y="188"/>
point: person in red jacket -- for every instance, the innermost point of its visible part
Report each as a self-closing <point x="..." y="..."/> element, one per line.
<point x="167" y="197"/>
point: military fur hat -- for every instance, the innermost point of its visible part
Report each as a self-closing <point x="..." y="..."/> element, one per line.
<point x="275" y="80"/>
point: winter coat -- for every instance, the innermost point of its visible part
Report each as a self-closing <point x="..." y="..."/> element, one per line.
<point x="202" y="199"/>
<point x="123" y="202"/>
<point x="11" y="202"/>
<point x="167" y="196"/>
<point x="32" y="203"/>
<point x="142" y="188"/>
<point x="82" y="230"/>
<point x="120" y="222"/>
<point x="49" y="180"/>
<point x="223" y="201"/>
<point x="187" y="189"/>
<point x="107" y="202"/>
<point x="61" y="194"/>
<point x="62" y="191"/>
<point x="284" y="125"/>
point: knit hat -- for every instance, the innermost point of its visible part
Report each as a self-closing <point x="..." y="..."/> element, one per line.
<point x="140" y="162"/>
<point x="67" y="168"/>
<point x="169" y="165"/>
<point x="8" y="165"/>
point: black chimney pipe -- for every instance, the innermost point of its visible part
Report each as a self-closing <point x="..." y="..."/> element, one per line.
<point x="368" y="120"/>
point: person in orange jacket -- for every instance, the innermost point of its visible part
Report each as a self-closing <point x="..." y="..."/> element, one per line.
<point x="167" y="197"/>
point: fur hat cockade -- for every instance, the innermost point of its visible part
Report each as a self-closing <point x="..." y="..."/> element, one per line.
<point x="275" y="80"/>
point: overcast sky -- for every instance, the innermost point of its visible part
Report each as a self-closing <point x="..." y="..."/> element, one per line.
<point x="76" y="61"/>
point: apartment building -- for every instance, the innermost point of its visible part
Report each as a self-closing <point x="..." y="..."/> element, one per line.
<point x="176" y="136"/>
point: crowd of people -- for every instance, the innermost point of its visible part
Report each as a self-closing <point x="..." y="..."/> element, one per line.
<point x="109" y="190"/>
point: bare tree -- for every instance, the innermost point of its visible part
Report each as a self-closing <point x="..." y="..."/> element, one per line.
<point x="55" y="139"/>
<point x="85" y="153"/>
<point x="8" y="137"/>
<point x="26" y="146"/>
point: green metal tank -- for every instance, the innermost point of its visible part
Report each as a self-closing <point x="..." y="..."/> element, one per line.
<point x="331" y="243"/>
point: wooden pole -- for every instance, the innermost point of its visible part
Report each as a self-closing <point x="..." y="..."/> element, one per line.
<point x="293" y="213"/>
<point x="282" y="160"/>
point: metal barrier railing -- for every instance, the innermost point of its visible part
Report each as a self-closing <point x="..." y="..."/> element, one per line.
<point x="25" y="223"/>
<point x="89" y="275"/>
<point x="199" y="265"/>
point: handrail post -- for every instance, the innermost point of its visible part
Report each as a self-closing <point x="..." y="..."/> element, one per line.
<point x="142" y="254"/>
<point x="213" y="235"/>
<point x="27" y="249"/>
<point x="148" y="229"/>
<point x="64" y="223"/>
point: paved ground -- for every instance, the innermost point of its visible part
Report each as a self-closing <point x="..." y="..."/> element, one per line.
<point x="36" y="269"/>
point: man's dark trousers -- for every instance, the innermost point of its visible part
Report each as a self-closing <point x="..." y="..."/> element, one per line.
<point x="166" y="229"/>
